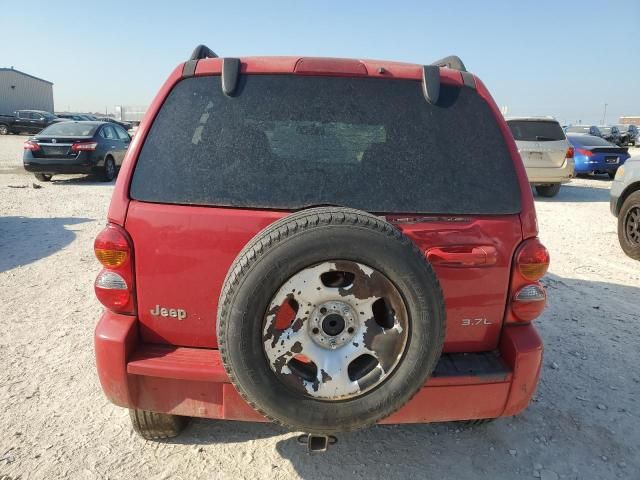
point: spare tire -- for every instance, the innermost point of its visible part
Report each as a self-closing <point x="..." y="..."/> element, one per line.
<point x="329" y="320"/>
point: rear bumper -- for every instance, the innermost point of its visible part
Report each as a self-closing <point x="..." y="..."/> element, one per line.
<point x="598" y="165"/>
<point x="547" y="175"/>
<point x="192" y="381"/>
<point x="85" y="162"/>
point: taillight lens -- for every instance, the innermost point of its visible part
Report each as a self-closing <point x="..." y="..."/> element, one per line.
<point x="114" y="285"/>
<point x="569" y="153"/>
<point x="582" y="151"/>
<point x="84" y="146"/>
<point x="532" y="260"/>
<point x="32" y="146"/>
<point x="527" y="296"/>
<point x="529" y="302"/>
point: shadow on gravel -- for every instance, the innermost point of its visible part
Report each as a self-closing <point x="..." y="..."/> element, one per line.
<point x="24" y="240"/>
<point x="577" y="194"/>
<point x="89" y="180"/>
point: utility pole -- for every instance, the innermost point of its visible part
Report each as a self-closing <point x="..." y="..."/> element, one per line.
<point x="604" y="114"/>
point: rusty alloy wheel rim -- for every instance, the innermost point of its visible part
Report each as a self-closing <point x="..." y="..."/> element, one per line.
<point x="335" y="330"/>
<point x="632" y="225"/>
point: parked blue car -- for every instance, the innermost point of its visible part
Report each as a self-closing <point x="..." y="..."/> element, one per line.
<point x="596" y="155"/>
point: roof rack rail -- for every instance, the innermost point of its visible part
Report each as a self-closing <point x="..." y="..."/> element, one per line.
<point x="452" y="61"/>
<point x="202" y="51"/>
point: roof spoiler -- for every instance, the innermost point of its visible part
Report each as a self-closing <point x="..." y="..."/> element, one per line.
<point x="431" y="77"/>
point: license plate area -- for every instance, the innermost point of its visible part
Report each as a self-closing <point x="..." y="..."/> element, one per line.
<point x="611" y="159"/>
<point x="56" y="151"/>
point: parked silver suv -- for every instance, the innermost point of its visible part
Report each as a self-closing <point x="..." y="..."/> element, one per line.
<point x="545" y="152"/>
<point x="625" y="204"/>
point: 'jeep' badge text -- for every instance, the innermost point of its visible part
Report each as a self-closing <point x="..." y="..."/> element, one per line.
<point x="169" y="312"/>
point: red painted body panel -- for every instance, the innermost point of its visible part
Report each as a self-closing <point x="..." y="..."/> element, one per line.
<point x="192" y="382"/>
<point x="183" y="253"/>
<point x="179" y="246"/>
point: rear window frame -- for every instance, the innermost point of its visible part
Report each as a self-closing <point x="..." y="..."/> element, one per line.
<point x="496" y="120"/>
<point x="537" y="121"/>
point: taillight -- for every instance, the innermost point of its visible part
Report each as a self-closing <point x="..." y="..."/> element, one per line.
<point x="527" y="296"/>
<point x="569" y="153"/>
<point x="114" y="285"/>
<point x="529" y="302"/>
<point x="532" y="260"/>
<point x="32" y="146"/>
<point x="84" y="146"/>
<point x="586" y="153"/>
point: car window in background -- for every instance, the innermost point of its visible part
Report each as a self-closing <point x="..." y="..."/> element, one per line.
<point x="589" y="141"/>
<point x="121" y="133"/>
<point x="108" y="133"/>
<point x="536" y="131"/>
<point x="576" y="129"/>
<point x="69" y="129"/>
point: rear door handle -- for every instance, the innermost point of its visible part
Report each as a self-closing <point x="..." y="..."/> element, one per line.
<point x="477" y="256"/>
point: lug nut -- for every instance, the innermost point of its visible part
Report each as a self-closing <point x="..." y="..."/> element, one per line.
<point x="315" y="331"/>
<point x="350" y="330"/>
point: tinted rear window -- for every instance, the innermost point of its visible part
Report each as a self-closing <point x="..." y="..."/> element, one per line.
<point x="578" y="129"/>
<point x="70" y="129"/>
<point x="589" y="141"/>
<point x="288" y="142"/>
<point x="536" y="131"/>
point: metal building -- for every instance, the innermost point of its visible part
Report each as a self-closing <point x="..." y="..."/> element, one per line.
<point x="21" y="91"/>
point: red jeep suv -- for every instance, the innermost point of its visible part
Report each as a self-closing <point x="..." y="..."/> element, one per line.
<point x="322" y="243"/>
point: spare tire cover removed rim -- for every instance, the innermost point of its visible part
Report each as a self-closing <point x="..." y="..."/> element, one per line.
<point x="329" y="320"/>
<point x="341" y="340"/>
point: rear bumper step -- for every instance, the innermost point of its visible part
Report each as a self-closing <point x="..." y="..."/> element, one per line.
<point x="193" y="382"/>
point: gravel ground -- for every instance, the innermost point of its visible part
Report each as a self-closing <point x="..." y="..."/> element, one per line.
<point x="55" y="423"/>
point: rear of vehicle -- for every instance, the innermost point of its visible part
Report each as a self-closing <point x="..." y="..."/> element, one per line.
<point x="226" y="154"/>
<point x="596" y="155"/>
<point x="611" y="134"/>
<point x="545" y="152"/>
<point x="75" y="147"/>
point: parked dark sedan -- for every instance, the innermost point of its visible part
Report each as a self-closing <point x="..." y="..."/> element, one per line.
<point x="630" y="134"/>
<point x="584" y="130"/>
<point x="611" y="134"/>
<point x="76" y="147"/>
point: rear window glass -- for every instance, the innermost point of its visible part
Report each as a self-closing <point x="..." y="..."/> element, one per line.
<point x="288" y="142"/>
<point x="578" y="129"/>
<point x="589" y="141"/>
<point x="70" y="129"/>
<point x="534" y="131"/>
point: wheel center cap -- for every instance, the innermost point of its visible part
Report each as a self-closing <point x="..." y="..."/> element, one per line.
<point x="333" y="324"/>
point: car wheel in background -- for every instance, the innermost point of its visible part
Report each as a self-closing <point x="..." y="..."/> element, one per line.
<point x="4" y="130"/>
<point x="109" y="170"/>
<point x="43" y="177"/>
<point x="157" y="426"/>
<point x="612" y="174"/>
<point x="548" y="190"/>
<point x="629" y="226"/>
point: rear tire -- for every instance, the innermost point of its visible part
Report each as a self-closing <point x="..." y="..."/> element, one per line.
<point x="109" y="170"/>
<point x="629" y="226"/>
<point x="4" y="129"/>
<point x="43" y="177"/>
<point x="157" y="426"/>
<point x="612" y="175"/>
<point x="548" y="190"/>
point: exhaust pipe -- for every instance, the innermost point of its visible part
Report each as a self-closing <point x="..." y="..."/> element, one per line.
<point x="317" y="443"/>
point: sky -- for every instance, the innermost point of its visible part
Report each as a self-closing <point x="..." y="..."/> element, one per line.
<point x="566" y="59"/>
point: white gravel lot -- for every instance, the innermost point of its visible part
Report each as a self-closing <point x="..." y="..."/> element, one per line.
<point x="55" y="423"/>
